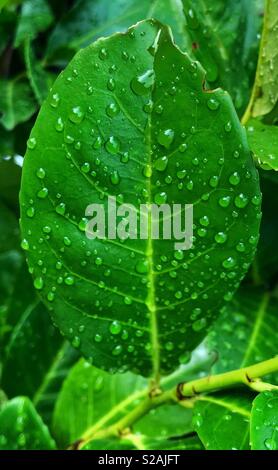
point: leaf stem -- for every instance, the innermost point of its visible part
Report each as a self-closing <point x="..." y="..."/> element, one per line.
<point x="246" y="376"/>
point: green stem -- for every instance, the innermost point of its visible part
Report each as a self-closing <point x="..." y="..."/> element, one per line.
<point x="256" y="88"/>
<point x="246" y="376"/>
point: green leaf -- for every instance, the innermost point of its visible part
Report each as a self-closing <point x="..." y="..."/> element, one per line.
<point x="110" y="444"/>
<point x="222" y="420"/>
<point x="162" y="304"/>
<point x="35" y="357"/>
<point x="17" y="103"/>
<point x="91" y="397"/>
<point x="224" y="37"/>
<point x="7" y="25"/>
<point x="265" y="91"/>
<point x="35" y="17"/>
<point x="264" y="422"/>
<point x="22" y="428"/>
<point x="243" y="334"/>
<point x="88" y="20"/>
<point x="263" y="141"/>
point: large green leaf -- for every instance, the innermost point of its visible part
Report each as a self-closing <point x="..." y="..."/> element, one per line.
<point x="264" y="422"/>
<point x="88" y="20"/>
<point x="263" y="141"/>
<point x="243" y="334"/>
<point x="222" y="420"/>
<point x="138" y="305"/>
<point x="17" y="103"/>
<point x="22" y="428"/>
<point x="35" y="357"/>
<point x="224" y="34"/>
<point x="35" y="16"/>
<point x="266" y="92"/>
<point x="90" y="397"/>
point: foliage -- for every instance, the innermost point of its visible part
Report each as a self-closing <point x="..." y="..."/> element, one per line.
<point x="146" y="346"/>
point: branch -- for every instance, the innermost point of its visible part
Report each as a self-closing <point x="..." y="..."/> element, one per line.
<point x="186" y="394"/>
<point x="246" y="376"/>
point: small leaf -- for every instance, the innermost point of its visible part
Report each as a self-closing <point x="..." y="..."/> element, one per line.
<point x="35" y="17"/>
<point x="222" y="420"/>
<point x="224" y="37"/>
<point x="17" y="103"/>
<point x="263" y="141"/>
<point x="22" y="428"/>
<point x="264" y="421"/>
<point x="88" y="20"/>
<point x="93" y="121"/>
<point x="242" y="334"/>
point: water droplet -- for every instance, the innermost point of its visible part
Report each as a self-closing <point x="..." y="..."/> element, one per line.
<point x="76" y="115"/>
<point x="59" y="126"/>
<point x="112" y="145"/>
<point x="229" y="263"/>
<point x="224" y="201"/>
<point x="111" y="84"/>
<point x="204" y="221"/>
<point x="61" y="208"/>
<point x="160" y="198"/>
<point x="270" y="444"/>
<point x="147" y="171"/>
<point x="31" y="143"/>
<point x="54" y="100"/>
<point x="228" y="126"/>
<point x="25" y="244"/>
<point x="115" y="177"/>
<point x="112" y="110"/>
<point x="234" y="179"/>
<point x="85" y="168"/>
<point x="213" y="104"/>
<point x="241" y="201"/>
<point x="38" y="283"/>
<point x="166" y="137"/>
<point x="76" y="342"/>
<point x="42" y="193"/>
<point x="256" y="200"/>
<point x="98" y="338"/>
<point x="115" y="328"/>
<point x="200" y="324"/>
<point x="142" y="83"/>
<point x="142" y="266"/>
<point x="117" y="350"/>
<point x="240" y="247"/>
<point x="40" y="173"/>
<point x="213" y="182"/>
<point x="30" y="212"/>
<point x="161" y="163"/>
<point x="69" y="280"/>
<point x="67" y="241"/>
<point x="220" y="237"/>
<point x="103" y="53"/>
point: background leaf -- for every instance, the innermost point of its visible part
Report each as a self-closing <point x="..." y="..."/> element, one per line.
<point x="215" y="174"/>
<point x="222" y="420"/>
<point x="263" y="140"/>
<point x="264" y="421"/>
<point x="242" y="335"/>
<point x="88" y="20"/>
<point x="224" y="36"/>
<point x="22" y="428"/>
<point x="35" y="16"/>
<point x="17" y="103"/>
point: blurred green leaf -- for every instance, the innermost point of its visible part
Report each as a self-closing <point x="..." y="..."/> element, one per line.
<point x="264" y="421"/>
<point x="222" y="420"/>
<point x="7" y="27"/>
<point x="243" y="334"/>
<point x="263" y="141"/>
<point x="22" y="428"/>
<point x="17" y="102"/>
<point x="35" y="16"/>
<point x="224" y="36"/>
<point x="89" y="20"/>
<point x="132" y="442"/>
<point x="10" y="176"/>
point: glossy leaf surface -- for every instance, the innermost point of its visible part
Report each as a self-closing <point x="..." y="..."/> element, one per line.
<point x="264" y="421"/>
